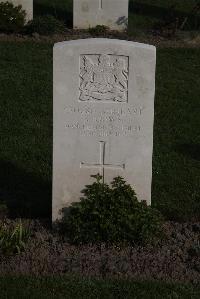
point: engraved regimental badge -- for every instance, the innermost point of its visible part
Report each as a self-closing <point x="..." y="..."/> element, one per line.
<point x="104" y="78"/>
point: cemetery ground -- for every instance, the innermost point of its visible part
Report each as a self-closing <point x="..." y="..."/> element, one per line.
<point x="144" y="16"/>
<point x="171" y="269"/>
<point x="26" y="131"/>
<point x="150" y="21"/>
<point x="26" y="167"/>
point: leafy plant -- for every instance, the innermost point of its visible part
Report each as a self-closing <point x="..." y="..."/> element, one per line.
<point x="112" y="215"/>
<point x="12" y="18"/>
<point x="98" y="30"/>
<point x="45" y="25"/>
<point x="13" y="239"/>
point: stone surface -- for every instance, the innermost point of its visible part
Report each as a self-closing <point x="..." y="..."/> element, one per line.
<point x="90" y="13"/>
<point x="103" y="116"/>
<point x="27" y="5"/>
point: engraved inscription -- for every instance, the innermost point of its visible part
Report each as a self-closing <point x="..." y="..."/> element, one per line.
<point x="101" y="122"/>
<point x="85" y="7"/>
<point x="102" y="165"/>
<point x="104" y="78"/>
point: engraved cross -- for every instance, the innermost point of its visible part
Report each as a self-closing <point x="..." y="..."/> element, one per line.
<point x="100" y="4"/>
<point x="102" y="165"/>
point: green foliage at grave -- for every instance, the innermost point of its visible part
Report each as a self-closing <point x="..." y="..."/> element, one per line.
<point x="98" y="30"/>
<point x="45" y="25"/>
<point x="13" y="239"/>
<point x="12" y="18"/>
<point x="111" y="214"/>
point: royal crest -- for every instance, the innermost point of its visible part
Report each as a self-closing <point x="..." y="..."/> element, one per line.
<point x="103" y="78"/>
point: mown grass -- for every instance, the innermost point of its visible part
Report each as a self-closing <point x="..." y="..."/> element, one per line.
<point x="75" y="288"/>
<point x="176" y="160"/>
<point x="145" y="13"/>
<point x="26" y="127"/>
<point x="26" y="131"/>
<point x="61" y="9"/>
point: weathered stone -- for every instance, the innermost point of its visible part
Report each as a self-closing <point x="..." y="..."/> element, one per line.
<point x="103" y="116"/>
<point x="111" y="13"/>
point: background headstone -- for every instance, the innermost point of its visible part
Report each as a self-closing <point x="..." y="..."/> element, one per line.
<point x="111" y="13"/>
<point x="27" y="5"/>
<point x="103" y="116"/>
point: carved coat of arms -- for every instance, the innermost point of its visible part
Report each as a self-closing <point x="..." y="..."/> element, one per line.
<point x="104" y="78"/>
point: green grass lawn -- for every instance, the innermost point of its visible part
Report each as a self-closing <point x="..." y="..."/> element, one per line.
<point x="142" y="13"/>
<point x="176" y="161"/>
<point x="62" y="9"/>
<point x="75" y="288"/>
<point x="26" y="131"/>
<point x="26" y="127"/>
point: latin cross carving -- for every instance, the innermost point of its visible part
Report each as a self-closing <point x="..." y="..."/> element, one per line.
<point x="101" y="165"/>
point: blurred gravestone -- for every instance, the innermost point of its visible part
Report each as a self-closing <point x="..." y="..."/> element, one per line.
<point x="111" y="13"/>
<point x="103" y="116"/>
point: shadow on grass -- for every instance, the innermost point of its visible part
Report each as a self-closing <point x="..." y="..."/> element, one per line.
<point x="25" y="195"/>
<point x="189" y="150"/>
<point x="164" y="14"/>
<point x="55" y="10"/>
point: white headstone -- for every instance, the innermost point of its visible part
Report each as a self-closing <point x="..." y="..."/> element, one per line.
<point x="103" y="116"/>
<point x="27" y="5"/>
<point x="111" y="13"/>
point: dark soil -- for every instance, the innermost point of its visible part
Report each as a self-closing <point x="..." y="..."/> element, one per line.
<point x="181" y="40"/>
<point x="175" y="258"/>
